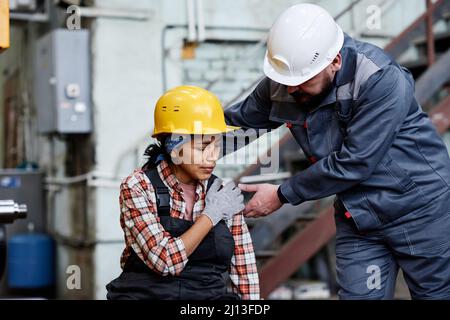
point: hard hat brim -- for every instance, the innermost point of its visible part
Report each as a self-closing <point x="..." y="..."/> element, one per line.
<point x="274" y="75"/>
<point x="227" y="129"/>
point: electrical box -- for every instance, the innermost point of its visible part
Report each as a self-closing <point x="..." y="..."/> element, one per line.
<point x="62" y="82"/>
<point x="4" y="25"/>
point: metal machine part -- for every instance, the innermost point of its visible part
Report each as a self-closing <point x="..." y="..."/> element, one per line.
<point x="9" y="212"/>
<point x="24" y="186"/>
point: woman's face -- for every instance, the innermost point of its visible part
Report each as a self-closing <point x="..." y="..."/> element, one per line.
<point x="196" y="159"/>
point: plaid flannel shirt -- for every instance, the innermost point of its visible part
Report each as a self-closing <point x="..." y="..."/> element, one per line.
<point x="165" y="254"/>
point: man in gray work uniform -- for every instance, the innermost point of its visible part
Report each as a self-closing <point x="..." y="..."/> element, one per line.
<point x="352" y="110"/>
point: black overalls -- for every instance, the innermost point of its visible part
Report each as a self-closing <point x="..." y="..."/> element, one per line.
<point x="204" y="276"/>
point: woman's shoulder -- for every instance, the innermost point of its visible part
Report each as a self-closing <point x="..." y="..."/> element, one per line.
<point x="136" y="180"/>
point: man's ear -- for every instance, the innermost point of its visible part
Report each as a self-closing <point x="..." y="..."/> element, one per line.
<point x="337" y="62"/>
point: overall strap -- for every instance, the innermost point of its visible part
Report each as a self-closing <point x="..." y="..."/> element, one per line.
<point x="161" y="192"/>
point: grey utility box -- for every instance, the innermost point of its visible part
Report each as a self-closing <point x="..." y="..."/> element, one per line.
<point x="61" y="83"/>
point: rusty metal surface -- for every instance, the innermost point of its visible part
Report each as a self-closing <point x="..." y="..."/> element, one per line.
<point x="297" y="251"/>
<point x="433" y="79"/>
<point x="399" y="44"/>
<point x="268" y="228"/>
<point x="431" y="54"/>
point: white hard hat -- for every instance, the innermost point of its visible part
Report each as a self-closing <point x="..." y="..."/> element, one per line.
<point x="302" y="42"/>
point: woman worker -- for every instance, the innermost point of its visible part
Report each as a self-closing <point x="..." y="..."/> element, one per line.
<point x="184" y="232"/>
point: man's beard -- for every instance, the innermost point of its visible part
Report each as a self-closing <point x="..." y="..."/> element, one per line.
<point x="308" y="101"/>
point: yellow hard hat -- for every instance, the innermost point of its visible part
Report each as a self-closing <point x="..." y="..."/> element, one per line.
<point x="189" y="110"/>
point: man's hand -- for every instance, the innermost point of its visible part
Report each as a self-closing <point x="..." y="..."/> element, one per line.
<point x="264" y="202"/>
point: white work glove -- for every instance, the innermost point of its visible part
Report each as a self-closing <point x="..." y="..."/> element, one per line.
<point x="223" y="203"/>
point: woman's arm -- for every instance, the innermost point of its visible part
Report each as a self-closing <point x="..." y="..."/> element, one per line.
<point x="196" y="233"/>
<point x="243" y="271"/>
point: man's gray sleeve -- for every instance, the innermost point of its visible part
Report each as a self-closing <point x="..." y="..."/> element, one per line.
<point x="252" y="115"/>
<point x="379" y="113"/>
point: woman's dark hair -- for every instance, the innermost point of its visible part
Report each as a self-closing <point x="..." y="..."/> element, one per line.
<point x="154" y="150"/>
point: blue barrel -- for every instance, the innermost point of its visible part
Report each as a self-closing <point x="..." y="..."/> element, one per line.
<point x="31" y="261"/>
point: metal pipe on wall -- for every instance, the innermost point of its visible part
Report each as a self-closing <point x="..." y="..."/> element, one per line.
<point x="192" y="34"/>
<point x="200" y="21"/>
<point x="431" y="54"/>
